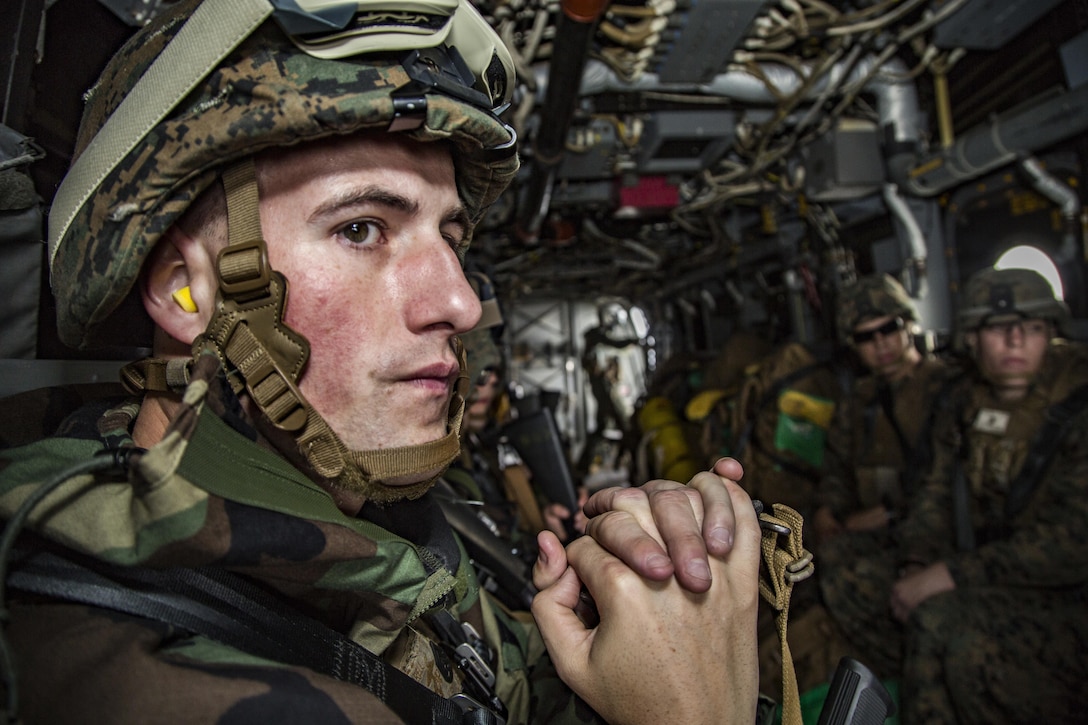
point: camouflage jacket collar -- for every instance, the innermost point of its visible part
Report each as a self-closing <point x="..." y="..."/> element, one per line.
<point x="209" y="494"/>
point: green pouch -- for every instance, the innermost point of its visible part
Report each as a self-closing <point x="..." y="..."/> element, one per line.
<point x="802" y="438"/>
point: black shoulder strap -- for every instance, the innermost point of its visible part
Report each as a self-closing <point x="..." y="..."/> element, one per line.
<point x="1043" y="447"/>
<point x="225" y="607"/>
<point x="945" y="402"/>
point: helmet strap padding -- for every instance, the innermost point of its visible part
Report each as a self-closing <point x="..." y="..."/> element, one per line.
<point x="265" y="357"/>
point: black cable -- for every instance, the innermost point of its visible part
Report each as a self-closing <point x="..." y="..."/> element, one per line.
<point x="115" y="459"/>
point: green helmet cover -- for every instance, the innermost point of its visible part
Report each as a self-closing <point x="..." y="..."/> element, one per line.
<point x="1023" y="292"/>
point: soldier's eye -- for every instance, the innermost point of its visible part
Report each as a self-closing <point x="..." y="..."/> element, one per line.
<point x="363" y="232"/>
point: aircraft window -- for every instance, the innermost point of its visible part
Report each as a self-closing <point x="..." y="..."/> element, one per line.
<point x="1025" y="257"/>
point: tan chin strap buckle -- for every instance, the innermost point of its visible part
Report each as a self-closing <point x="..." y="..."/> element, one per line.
<point x="247" y="329"/>
<point x="260" y="352"/>
<point x="244" y="272"/>
<point x="155" y="375"/>
<point x="786" y="562"/>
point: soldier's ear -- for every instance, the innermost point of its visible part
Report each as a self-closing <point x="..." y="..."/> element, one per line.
<point x="178" y="288"/>
<point x="970" y="339"/>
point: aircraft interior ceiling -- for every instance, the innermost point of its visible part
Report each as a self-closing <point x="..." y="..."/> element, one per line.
<point x="717" y="150"/>
<point x="732" y="140"/>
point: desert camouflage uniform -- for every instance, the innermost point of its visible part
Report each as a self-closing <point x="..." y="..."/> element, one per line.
<point x="209" y="495"/>
<point x="1007" y="644"/>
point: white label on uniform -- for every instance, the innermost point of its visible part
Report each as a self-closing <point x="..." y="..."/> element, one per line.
<point x="992" y="421"/>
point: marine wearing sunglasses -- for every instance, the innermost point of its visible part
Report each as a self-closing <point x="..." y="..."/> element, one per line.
<point x="891" y="327"/>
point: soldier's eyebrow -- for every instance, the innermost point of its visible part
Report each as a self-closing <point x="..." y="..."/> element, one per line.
<point x="378" y="196"/>
<point x="366" y="196"/>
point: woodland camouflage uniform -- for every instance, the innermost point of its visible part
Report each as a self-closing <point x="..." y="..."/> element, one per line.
<point x="880" y="430"/>
<point x="877" y="438"/>
<point x="208" y="494"/>
<point x="1007" y="644"/>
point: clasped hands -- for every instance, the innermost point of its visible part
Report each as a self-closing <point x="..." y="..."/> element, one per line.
<point x="673" y="570"/>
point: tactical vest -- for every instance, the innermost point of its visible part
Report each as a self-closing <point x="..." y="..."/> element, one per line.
<point x="997" y="439"/>
<point x="880" y="439"/>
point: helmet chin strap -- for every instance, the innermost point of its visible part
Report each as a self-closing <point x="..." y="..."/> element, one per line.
<point x="264" y="357"/>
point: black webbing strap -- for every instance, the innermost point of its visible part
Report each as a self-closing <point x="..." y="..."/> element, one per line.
<point x="225" y="607"/>
<point x="1042" y="450"/>
<point x="961" y="509"/>
<point x="1043" y="446"/>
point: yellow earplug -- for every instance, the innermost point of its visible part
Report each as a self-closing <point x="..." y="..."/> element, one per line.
<point x="184" y="298"/>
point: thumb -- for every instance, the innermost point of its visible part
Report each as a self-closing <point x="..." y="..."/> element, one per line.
<point x="566" y="637"/>
<point x="551" y="560"/>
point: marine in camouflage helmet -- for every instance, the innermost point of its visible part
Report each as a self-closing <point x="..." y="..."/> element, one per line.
<point x="265" y="93"/>
<point x="481" y="351"/>
<point x="994" y="293"/>
<point x="879" y="295"/>
<point x="271" y="90"/>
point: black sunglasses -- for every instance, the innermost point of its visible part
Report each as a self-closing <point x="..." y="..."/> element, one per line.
<point x="888" y="328"/>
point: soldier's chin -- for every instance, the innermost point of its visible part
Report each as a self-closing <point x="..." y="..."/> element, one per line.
<point x="414" y="478"/>
<point x="1010" y="381"/>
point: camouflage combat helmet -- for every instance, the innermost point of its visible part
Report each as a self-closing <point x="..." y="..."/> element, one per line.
<point x="878" y="295"/>
<point x="481" y="350"/>
<point x="993" y="292"/>
<point x="266" y="92"/>
<point x="189" y="100"/>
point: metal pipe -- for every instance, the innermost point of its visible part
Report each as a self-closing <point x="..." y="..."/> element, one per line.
<point x="944" y="109"/>
<point x="1052" y="188"/>
<point x="574" y="30"/>
<point x="993" y="144"/>
<point x="1067" y="200"/>
<point x="916" y="240"/>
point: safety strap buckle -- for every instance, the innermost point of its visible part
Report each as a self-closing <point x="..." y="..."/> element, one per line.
<point x="476" y="713"/>
<point x="471" y="661"/>
<point x="470" y="653"/>
<point x="244" y="269"/>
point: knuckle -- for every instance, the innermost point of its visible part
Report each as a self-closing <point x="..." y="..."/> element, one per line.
<point x="687" y="540"/>
<point x="672" y="496"/>
<point x="629" y="496"/>
<point x="619" y="576"/>
<point x="607" y="521"/>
